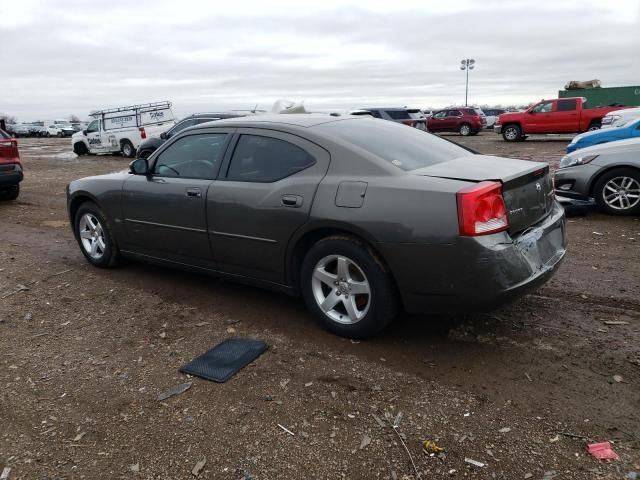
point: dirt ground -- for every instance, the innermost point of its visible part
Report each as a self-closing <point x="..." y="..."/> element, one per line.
<point x="85" y="352"/>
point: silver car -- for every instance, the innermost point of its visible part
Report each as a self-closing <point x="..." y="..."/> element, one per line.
<point x="609" y="173"/>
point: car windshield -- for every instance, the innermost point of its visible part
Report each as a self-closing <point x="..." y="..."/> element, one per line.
<point x="404" y="147"/>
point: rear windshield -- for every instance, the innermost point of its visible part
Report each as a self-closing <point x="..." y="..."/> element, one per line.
<point x="398" y="114"/>
<point x="403" y="146"/>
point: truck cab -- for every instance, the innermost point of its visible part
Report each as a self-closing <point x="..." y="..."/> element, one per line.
<point x="560" y="115"/>
<point x="122" y="129"/>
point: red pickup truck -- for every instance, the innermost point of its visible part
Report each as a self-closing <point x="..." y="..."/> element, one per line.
<point x="561" y="115"/>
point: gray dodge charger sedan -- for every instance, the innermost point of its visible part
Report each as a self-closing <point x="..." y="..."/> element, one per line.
<point x="360" y="216"/>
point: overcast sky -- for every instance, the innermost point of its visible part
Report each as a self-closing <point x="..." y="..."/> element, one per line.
<point x="68" y="57"/>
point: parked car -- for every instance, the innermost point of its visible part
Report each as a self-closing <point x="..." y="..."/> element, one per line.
<point x="464" y="120"/>
<point x="57" y="130"/>
<point x="35" y="128"/>
<point x="19" y="129"/>
<point x="398" y="115"/>
<point x="588" y="139"/>
<point x="620" y="118"/>
<point x="416" y="114"/>
<point x="122" y="129"/>
<point x="10" y="167"/>
<point x="608" y="173"/>
<point x="148" y="146"/>
<point x="492" y="114"/>
<point x="564" y="115"/>
<point x="361" y="217"/>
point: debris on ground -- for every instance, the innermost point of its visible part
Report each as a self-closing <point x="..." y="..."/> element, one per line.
<point x="366" y="440"/>
<point x="615" y="322"/>
<point x="135" y="468"/>
<point x="618" y="378"/>
<point x="505" y="430"/>
<point x="172" y="392"/>
<point x="198" y="467"/>
<point x="431" y="446"/>
<point x="602" y="451"/>
<point x="286" y="430"/>
<point x="474" y="462"/>
<point x="5" y="473"/>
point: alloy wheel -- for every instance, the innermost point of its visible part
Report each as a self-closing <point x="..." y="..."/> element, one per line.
<point x="621" y="193"/>
<point x="511" y="133"/>
<point x="92" y="236"/>
<point x="341" y="289"/>
<point x="465" y="130"/>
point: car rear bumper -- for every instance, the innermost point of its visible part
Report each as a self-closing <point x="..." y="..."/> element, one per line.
<point x="478" y="273"/>
<point x="10" y="174"/>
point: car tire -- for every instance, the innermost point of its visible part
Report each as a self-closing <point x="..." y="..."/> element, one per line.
<point x="595" y="125"/>
<point x="47" y="134"/>
<point x="145" y="153"/>
<point x="60" y="134"/>
<point x="353" y="315"/>
<point x="94" y="236"/>
<point x="11" y="193"/>
<point x="465" y="130"/>
<point x="126" y="149"/>
<point x="512" y="132"/>
<point x="617" y="192"/>
<point x="80" y="149"/>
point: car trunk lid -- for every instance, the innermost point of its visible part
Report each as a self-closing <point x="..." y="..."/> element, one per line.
<point x="527" y="187"/>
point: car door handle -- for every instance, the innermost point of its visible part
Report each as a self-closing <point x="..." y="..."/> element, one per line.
<point x="194" y="192"/>
<point x="294" y="201"/>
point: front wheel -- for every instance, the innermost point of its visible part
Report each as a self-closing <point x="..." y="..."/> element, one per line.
<point x="617" y="192"/>
<point x="347" y="288"/>
<point x="594" y="126"/>
<point x="465" y="130"/>
<point x="60" y="134"/>
<point x="94" y="236"/>
<point x="512" y="133"/>
<point x="80" y="149"/>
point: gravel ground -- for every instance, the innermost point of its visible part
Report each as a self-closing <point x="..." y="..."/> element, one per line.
<point x="85" y="352"/>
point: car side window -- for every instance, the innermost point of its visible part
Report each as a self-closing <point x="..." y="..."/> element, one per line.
<point x="543" y="107"/>
<point x="441" y="114"/>
<point x="375" y="113"/>
<point x="567" y="105"/>
<point x="192" y="156"/>
<point x="180" y="126"/>
<point x="454" y="113"/>
<point x="266" y="159"/>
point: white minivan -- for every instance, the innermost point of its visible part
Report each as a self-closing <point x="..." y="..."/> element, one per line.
<point x="619" y="118"/>
<point x="123" y="129"/>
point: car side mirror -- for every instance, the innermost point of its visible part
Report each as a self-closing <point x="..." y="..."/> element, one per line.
<point x="163" y="135"/>
<point x="140" y="166"/>
<point x="84" y="132"/>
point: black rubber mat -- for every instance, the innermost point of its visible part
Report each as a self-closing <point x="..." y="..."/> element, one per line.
<point x="225" y="359"/>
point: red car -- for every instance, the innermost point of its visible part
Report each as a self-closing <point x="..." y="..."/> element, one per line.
<point x="561" y="115"/>
<point x="10" y="167"/>
<point x="464" y="120"/>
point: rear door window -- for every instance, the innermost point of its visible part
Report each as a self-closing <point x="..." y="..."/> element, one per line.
<point x="265" y="159"/>
<point x="441" y="114"/>
<point x="398" y="114"/>
<point x="454" y="113"/>
<point x="567" y="105"/>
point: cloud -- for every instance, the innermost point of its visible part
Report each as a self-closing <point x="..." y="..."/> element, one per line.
<point x="74" y="56"/>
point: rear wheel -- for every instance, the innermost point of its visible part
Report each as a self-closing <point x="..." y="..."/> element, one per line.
<point x="94" y="236"/>
<point x="465" y="129"/>
<point x="126" y="148"/>
<point x="617" y="192"/>
<point x="512" y="133"/>
<point x="60" y="134"/>
<point x="347" y="288"/>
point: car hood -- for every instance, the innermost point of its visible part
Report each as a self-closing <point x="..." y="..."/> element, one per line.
<point x="618" y="146"/>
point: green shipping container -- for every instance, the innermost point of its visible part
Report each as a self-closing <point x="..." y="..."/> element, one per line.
<point x="602" y="97"/>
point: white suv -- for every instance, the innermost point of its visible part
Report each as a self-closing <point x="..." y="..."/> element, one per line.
<point x="619" y="118"/>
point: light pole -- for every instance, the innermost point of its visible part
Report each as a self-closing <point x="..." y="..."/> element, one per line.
<point x="467" y="64"/>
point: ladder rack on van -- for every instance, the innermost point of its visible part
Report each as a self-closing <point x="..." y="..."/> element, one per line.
<point x="141" y="107"/>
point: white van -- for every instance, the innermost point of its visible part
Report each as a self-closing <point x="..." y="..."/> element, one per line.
<point x="123" y="129"/>
<point x="619" y="118"/>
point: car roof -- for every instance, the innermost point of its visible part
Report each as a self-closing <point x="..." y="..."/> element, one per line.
<point x="304" y="120"/>
<point x="393" y="109"/>
<point x="215" y="114"/>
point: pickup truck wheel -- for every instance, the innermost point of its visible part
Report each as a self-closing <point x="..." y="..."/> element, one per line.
<point x="594" y="126"/>
<point x="617" y="192"/>
<point x="80" y="149"/>
<point x="127" y="150"/>
<point x="511" y="133"/>
<point x="465" y="130"/>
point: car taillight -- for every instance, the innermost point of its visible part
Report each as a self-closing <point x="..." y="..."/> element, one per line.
<point x="481" y="209"/>
<point x="143" y="134"/>
<point x="477" y="118"/>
